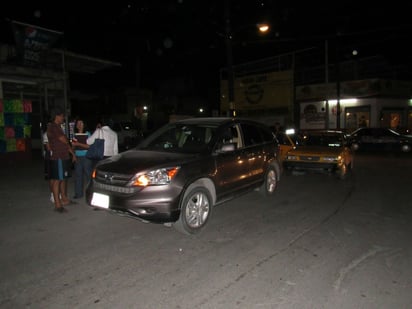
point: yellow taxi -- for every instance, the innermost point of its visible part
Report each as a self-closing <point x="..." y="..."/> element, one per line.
<point x="287" y="141"/>
<point x="322" y="150"/>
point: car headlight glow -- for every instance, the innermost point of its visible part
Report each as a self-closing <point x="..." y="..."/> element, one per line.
<point x="290" y="157"/>
<point x="332" y="159"/>
<point x="160" y="176"/>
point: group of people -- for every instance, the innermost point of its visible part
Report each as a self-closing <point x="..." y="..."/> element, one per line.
<point x="61" y="154"/>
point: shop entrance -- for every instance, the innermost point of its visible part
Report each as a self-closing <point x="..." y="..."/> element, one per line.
<point x="357" y="117"/>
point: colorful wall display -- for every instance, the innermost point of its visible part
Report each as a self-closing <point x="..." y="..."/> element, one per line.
<point x="15" y="125"/>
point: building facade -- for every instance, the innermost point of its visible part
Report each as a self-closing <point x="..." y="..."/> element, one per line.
<point x="362" y="103"/>
<point x="277" y="90"/>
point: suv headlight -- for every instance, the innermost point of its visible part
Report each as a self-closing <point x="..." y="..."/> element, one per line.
<point x="162" y="176"/>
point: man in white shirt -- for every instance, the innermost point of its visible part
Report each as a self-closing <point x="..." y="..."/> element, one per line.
<point x="111" y="147"/>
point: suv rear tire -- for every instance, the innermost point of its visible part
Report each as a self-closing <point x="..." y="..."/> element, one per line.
<point x="270" y="182"/>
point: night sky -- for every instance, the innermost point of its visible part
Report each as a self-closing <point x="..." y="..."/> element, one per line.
<point x="186" y="38"/>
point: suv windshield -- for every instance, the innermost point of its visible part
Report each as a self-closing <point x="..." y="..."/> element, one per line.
<point x="185" y="138"/>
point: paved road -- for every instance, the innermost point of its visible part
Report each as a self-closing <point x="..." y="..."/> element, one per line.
<point x="319" y="243"/>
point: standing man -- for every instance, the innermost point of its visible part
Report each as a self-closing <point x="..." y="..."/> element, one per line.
<point x="60" y="162"/>
<point x="111" y="147"/>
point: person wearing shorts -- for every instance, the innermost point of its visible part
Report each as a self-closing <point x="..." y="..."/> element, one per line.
<point x="61" y="158"/>
<point x="46" y="157"/>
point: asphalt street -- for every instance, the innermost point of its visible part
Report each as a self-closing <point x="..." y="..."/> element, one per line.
<point x="319" y="243"/>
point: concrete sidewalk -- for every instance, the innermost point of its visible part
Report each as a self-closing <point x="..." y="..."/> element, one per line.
<point x="23" y="182"/>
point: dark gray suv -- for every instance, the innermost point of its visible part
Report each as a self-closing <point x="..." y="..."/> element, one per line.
<point x="182" y="170"/>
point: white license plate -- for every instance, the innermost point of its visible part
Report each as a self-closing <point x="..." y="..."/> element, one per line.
<point x="100" y="200"/>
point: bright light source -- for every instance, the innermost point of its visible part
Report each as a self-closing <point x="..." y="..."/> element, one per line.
<point x="201" y="110"/>
<point x="263" y="27"/>
<point x="343" y="101"/>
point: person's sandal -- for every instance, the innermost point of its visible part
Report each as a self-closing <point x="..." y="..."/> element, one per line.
<point x="60" y="209"/>
<point x="69" y="203"/>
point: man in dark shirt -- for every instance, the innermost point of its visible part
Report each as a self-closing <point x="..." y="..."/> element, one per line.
<point x="60" y="161"/>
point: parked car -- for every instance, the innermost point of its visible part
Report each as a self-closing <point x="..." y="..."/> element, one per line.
<point x="127" y="134"/>
<point x="182" y="170"/>
<point x="324" y="150"/>
<point x="380" y="139"/>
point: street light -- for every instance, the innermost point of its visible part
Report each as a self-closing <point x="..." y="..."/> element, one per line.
<point x="262" y="27"/>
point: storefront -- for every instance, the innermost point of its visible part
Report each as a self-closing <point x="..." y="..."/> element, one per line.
<point x="27" y="94"/>
<point x="367" y="103"/>
<point x="15" y="129"/>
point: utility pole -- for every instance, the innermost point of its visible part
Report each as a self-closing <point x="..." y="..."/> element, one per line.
<point x="229" y="59"/>
<point x="337" y="84"/>
<point x="327" y="82"/>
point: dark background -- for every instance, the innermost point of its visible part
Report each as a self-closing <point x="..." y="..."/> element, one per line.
<point x="161" y="42"/>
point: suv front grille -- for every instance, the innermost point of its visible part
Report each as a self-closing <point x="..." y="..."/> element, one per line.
<point x="113" y="182"/>
<point x="112" y="188"/>
<point x="112" y="178"/>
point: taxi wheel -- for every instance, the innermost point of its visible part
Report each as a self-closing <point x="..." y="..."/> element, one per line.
<point x="195" y="211"/>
